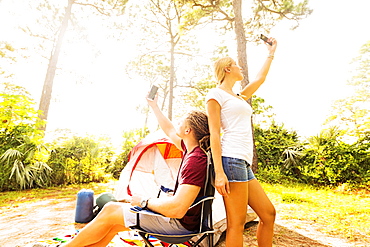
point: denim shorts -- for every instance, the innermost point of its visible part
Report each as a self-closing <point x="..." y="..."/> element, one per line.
<point x="237" y="170"/>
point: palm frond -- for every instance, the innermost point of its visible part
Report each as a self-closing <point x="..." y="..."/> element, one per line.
<point x="41" y="173"/>
<point x="292" y="157"/>
<point x="11" y="155"/>
<point x="18" y="170"/>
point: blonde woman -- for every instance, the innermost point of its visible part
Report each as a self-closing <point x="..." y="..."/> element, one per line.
<point x="232" y="155"/>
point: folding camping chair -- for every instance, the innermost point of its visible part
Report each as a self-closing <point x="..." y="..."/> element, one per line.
<point x="206" y="230"/>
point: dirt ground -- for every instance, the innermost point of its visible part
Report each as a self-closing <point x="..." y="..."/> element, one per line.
<point x="24" y="224"/>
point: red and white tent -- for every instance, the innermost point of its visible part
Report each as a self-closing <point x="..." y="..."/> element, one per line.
<point x="152" y="163"/>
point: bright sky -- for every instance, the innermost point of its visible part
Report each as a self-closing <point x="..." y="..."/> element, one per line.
<point x="311" y="65"/>
<point x="309" y="72"/>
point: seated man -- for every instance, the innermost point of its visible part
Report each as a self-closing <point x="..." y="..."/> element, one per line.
<point x="192" y="137"/>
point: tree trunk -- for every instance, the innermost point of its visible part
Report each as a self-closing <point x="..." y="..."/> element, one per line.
<point x="240" y="40"/>
<point x="242" y="59"/>
<point x="50" y="74"/>
<point x="172" y="78"/>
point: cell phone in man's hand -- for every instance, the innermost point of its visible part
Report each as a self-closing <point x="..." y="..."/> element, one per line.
<point x="153" y="92"/>
<point x="264" y="38"/>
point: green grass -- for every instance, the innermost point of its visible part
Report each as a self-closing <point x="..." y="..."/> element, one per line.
<point x="342" y="214"/>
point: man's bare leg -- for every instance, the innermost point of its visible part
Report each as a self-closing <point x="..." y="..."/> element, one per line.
<point x="103" y="228"/>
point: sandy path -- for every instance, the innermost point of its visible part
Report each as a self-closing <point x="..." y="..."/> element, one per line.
<point x="24" y="224"/>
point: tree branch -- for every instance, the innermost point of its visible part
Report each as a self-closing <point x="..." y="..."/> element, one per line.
<point x="214" y="8"/>
<point x="283" y="14"/>
<point x="101" y="10"/>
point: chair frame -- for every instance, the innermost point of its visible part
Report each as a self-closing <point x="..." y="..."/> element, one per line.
<point x="206" y="227"/>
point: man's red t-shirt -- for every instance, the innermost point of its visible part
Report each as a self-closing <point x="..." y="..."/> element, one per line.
<point x="193" y="171"/>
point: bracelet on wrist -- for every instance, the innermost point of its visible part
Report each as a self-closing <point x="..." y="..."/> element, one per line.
<point x="270" y="56"/>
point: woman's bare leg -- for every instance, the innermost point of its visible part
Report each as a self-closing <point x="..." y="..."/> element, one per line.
<point x="236" y="211"/>
<point x="263" y="207"/>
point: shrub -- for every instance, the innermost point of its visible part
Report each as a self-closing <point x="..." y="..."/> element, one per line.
<point x="324" y="161"/>
<point x="271" y="144"/>
<point x="80" y="160"/>
<point x="130" y="139"/>
<point x="329" y="161"/>
<point x="22" y="155"/>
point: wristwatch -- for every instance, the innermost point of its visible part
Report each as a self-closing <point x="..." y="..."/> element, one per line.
<point x="144" y="202"/>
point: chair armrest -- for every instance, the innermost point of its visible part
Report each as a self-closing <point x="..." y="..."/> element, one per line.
<point x="139" y="210"/>
<point x="168" y="191"/>
<point x="200" y="200"/>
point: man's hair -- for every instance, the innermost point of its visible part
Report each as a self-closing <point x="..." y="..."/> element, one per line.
<point x="198" y="122"/>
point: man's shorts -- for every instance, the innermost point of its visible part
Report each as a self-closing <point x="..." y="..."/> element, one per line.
<point x="237" y="170"/>
<point x="154" y="224"/>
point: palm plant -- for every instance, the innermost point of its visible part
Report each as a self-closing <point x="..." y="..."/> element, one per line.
<point x="26" y="169"/>
<point x="21" y="151"/>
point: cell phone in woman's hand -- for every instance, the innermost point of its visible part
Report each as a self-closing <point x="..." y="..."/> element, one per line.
<point x="264" y="38"/>
<point x="153" y="92"/>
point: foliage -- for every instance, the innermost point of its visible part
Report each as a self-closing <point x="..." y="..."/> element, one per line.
<point x="171" y="44"/>
<point x="329" y="161"/>
<point x="106" y="7"/>
<point x="263" y="16"/>
<point x="324" y="161"/>
<point x="6" y="57"/>
<point x="352" y="114"/>
<point x="26" y="162"/>
<point x="274" y="175"/>
<point x="195" y="97"/>
<point x="267" y="13"/>
<point x="80" y="160"/>
<point x="26" y="168"/>
<point x="130" y="139"/>
<point x="153" y="68"/>
<point x="262" y="113"/>
<point x="5" y="48"/>
<point x="17" y="107"/>
<point x="271" y="144"/>
<point x="22" y="155"/>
